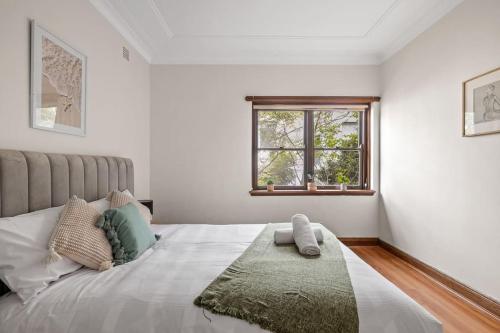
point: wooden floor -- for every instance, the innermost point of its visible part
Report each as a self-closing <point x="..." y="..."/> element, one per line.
<point x="456" y="314"/>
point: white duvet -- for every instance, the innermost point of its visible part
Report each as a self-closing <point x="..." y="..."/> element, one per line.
<point x="155" y="293"/>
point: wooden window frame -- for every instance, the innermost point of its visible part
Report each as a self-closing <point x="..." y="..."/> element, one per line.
<point x="364" y="148"/>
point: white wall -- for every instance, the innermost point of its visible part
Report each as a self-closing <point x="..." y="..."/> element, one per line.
<point x="118" y="92"/>
<point x="201" y="144"/>
<point x="439" y="191"/>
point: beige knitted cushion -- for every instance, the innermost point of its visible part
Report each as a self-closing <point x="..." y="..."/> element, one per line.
<point x="77" y="237"/>
<point x="120" y="199"/>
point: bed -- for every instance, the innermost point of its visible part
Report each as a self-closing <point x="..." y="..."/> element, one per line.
<point x="155" y="293"/>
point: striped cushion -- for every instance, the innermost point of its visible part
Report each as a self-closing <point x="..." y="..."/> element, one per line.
<point x="120" y="199"/>
<point x="77" y="237"/>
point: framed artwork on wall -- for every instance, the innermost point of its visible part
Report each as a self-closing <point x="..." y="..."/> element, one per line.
<point x="58" y="84"/>
<point x="481" y="104"/>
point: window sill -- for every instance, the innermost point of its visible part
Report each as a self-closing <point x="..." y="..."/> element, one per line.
<point x="305" y="192"/>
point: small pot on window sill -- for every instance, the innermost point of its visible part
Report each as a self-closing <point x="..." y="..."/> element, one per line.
<point x="270" y="187"/>
<point x="343" y="187"/>
<point x="311" y="186"/>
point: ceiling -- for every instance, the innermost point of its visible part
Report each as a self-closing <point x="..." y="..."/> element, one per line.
<point x="271" y="31"/>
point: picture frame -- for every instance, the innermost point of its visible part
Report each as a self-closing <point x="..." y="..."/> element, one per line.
<point x="58" y="84"/>
<point x="481" y="104"/>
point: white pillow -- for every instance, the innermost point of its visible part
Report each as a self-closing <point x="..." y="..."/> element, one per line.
<point x="101" y="205"/>
<point x="23" y="243"/>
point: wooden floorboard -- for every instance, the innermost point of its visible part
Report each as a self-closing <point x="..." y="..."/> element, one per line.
<point x="457" y="314"/>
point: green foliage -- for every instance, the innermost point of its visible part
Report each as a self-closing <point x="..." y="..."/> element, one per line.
<point x="270" y="182"/>
<point x="328" y="130"/>
<point x="331" y="130"/>
<point x="334" y="165"/>
<point x="283" y="167"/>
<point x="281" y="129"/>
<point x="342" y="179"/>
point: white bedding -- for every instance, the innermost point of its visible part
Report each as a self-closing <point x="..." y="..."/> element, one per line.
<point x="155" y="293"/>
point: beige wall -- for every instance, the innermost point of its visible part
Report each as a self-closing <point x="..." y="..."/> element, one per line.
<point x="439" y="191"/>
<point x="118" y="92"/>
<point x="201" y="144"/>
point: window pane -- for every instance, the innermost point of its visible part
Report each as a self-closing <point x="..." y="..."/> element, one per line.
<point x="281" y="129"/>
<point x="284" y="168"/>
<point x="333" y="167"/>
<point x="336" y="129"/>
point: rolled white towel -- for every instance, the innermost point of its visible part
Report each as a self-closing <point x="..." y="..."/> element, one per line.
<point x="285" y="236"/>
<point x="303" y="235"/>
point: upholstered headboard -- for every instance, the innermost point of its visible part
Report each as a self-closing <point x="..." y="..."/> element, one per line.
<point x="32" y="181"/>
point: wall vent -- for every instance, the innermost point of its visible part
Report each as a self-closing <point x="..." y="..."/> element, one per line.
<point x="126" y="54"/>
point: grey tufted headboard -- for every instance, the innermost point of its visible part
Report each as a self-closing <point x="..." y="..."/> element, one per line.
<point x="32" y="181"/>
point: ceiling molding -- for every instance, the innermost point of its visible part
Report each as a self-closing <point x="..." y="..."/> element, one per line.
<point x="424" y="23"/>
<point x="389" y="9"/>
<point x="248" y="36"/>
<point x="340" y="59"/>
<point x="383" y="17"/>
<point x="158" y="43"/>
<point x="161" y="19"/>
<point x="111" y="14"/>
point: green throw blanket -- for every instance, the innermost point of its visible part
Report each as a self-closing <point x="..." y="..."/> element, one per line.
<point x="283" y="291"/>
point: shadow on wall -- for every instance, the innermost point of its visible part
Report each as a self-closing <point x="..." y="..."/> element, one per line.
<point x="385" y="231"/>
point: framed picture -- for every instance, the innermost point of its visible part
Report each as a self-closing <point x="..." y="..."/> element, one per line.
<point x="58" y="82"/>
<point x="481" y="104"/>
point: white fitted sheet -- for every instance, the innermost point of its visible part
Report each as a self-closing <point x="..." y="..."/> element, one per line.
<point x="155" y="293"/>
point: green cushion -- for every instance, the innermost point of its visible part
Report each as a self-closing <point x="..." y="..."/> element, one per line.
<point x="127" y="232"/>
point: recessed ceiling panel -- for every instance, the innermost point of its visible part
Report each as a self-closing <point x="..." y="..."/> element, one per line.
<point x="271" y="31"/>
<point x="349" y="18"/>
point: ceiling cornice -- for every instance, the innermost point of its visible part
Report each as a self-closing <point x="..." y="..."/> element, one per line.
<point x="161" y="19"/>
<point x="111" y="14"/>
<point x="425" y="22"/>
<point x="342" y="57"/>
<point x="389" y="9"/>
<point x="332" y="59"/>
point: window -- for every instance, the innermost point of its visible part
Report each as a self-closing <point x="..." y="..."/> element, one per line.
<point x="299" y="138"/>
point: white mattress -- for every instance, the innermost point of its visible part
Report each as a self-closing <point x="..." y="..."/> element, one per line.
<point x="155" y="293"/>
